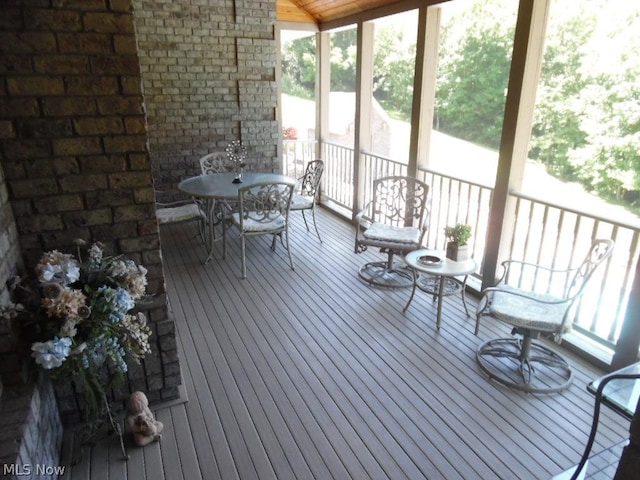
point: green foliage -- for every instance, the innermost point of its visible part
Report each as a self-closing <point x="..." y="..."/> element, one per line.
<point x="474" y="71"/>
<point x="556" y="128"/>
<point x="587" y="114"/>
<point x="299" y="67"/>
<point x="459" y="234"/>
<point x="394" y="68"/>
<point x="343" y="61"/>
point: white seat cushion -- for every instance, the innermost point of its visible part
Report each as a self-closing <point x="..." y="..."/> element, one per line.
<point x="526" y="312"/>
<point x="300" y="202"/>
<point x="390" y="233"/>
<point x="181" y="213"/>
<point x="251" y="225"/>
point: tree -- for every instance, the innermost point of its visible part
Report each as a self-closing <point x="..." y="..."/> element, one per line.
<point x="609" y="159"/>
<point x="556" y="127"/>
<point x="474" y="71"/>
<point x="394" y="67"/>
<point x="343" y="60"/>
<point x="299" y="67"/>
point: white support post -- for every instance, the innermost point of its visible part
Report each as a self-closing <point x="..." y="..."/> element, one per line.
<point x="424" y="88"/>
<point x="526" y="62"/>
<point x="364" y="98"/>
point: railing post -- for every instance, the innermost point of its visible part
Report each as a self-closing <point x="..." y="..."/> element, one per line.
<point x="424" y="88"/>
<point x="364" y="96"/>
<point x="526" y="62"/>
<point x="626" y="350"/>
<point x="323" y="87"/>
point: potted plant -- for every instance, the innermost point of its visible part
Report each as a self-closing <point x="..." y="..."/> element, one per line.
<point x="457" y="241"/>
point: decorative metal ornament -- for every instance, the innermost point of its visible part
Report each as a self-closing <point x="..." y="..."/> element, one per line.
<point x="236" y="153"/>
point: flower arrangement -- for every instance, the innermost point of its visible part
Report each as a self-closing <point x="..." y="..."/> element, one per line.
<point x="85" y="322"/>
<point x="289" y="133"/>
<point x="236" y="153"/>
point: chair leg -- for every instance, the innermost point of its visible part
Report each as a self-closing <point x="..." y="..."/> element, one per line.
<point x="288" y="249"/>
<point x="244" y="260"/>
<point x="224" y="240"/>
<point x="305" y="221"/>
<point x="315" y="225"/>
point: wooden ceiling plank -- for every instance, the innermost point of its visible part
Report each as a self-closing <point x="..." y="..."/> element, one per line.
<point x="329" y="14"/>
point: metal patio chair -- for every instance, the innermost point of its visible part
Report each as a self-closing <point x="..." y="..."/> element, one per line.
<point x="534" y="300"/>
<point x="306" y="198"/>
<point x="395" y="221"/>
<point x="263" y="210"/>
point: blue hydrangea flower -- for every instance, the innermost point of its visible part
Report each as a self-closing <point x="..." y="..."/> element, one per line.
<point x="51" y="354"/>
<point x="117" y="302"/>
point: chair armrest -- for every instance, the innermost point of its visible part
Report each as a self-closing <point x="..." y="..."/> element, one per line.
<point x="360" y="223"/>
<point x="360" y="215"/>
<point x="175" y="203"/>
<point x="519" y="293"/>
<point x="424" y="224"/>
<point x="507" y="265"/>
<point x="552" y="272"/>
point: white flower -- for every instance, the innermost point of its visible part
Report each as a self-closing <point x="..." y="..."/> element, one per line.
<point x="51" y="354"/>
<point x="58" y="267"/>
<point x="118" y="269"/>
<point x="49" y="272"/>
<point x="72" y="272"/>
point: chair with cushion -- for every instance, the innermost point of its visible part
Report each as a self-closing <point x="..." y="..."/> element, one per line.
<point x="534" y="300"/>
<point x="263" y="209"/>
<point x="306" y="198"/>
<point x="180" y="211"/>
<point x="394" y="221"/>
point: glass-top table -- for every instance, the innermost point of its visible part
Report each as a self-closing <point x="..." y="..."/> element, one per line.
<point x="618" y="390"/>
<point x="620" y="393"/>
<point x="218" y="187"/>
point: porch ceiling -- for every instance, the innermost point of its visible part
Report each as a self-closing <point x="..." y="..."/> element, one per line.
<point x="322" y="11"/>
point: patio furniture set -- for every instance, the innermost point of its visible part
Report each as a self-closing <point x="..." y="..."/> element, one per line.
<point x="534" y="299"/>
<point x="256" y="203"/>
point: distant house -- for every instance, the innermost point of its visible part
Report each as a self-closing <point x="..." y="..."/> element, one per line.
<point x="300" y="114"/>
<point x="342" y="106"/>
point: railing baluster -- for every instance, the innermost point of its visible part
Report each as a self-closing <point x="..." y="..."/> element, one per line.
<point x="531" y="236"/>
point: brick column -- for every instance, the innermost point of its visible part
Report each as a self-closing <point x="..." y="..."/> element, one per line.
<point x="75" y="149"/>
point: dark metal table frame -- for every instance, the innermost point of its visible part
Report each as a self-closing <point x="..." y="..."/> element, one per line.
<point x="623" y="404"/>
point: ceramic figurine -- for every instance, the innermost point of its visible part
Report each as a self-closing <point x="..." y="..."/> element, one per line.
<point x="140" y="420"/>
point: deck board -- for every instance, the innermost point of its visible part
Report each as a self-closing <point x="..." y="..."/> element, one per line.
<point x="312" y="374"/>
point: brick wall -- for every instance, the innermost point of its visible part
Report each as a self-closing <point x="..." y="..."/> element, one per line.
<point x="208" y="69"/>
<point x="73" y="145"/>
<point x="31" y="431"/>
<point x="10" y="264"/>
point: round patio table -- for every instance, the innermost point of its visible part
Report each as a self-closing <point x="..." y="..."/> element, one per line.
<point x="221" y="187"/>
<point x="442" y="271"/>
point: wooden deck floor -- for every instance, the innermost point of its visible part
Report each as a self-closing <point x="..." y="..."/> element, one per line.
<point x="313" y="374"/>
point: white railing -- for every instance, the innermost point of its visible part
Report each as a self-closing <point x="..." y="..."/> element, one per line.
<point x="542" y="231"/>
<point x="337" y="181"/>
<point x="560" y="236"/>
<point x="296" y="155"/>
